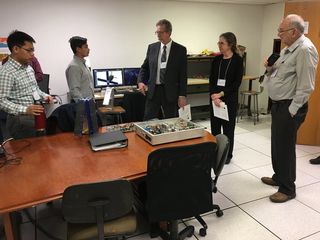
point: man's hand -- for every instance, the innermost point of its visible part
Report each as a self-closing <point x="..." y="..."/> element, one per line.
<point x="215" y="96"/>
<point x="49" y="99"/>
<point x="217" y="102"/>
<point x="142" y="88"/>
<point x="182" y="101"/>
<point x="35" y="109"/>
<point x="268" y="68"/>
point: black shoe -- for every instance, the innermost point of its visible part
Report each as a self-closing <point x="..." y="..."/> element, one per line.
<point x="315" y="160"/>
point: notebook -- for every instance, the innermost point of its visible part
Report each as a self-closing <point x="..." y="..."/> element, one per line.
<point x="108" y="140"/>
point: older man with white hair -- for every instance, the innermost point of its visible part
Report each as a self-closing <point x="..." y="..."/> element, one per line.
<point x="290" y="82"/>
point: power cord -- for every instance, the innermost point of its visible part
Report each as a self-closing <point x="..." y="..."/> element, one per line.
<point x="9" y="158"/>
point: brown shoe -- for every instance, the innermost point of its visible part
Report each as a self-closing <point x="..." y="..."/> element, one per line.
<point x="269" y="181"/>
<point x="279" y="197"/>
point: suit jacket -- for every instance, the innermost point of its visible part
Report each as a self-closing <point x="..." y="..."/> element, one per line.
<point x="176" y="71"/>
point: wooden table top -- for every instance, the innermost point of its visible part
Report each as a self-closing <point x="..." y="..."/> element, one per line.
<point x="52" y="163"/>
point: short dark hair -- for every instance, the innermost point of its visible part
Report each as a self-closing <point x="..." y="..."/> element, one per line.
<point x="167" y="25"/>
<point x="231" y="40"/>
<point x="18" y="38"/>
<point x="77" y="41"/>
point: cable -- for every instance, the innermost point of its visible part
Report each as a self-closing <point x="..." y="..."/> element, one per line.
<point x="8" y="158"/>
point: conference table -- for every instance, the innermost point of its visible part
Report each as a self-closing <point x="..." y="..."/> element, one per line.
<point x="52" y="163"/>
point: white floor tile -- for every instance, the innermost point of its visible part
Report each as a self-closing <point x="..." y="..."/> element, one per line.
<point x="235" y="225"/>
<point x="309" y="149"/>
<point x="146" y="236"/>
<point x="242" y="187"/>
<point x="239" y="130"/>
<point x="302" y="179"/>
<point x="230" y="168"/>
<point x="290" y="220"/>
<point x="313" y="237"/>
<point x="304" y="166"/>
<point x="252" y="139"/>
<point x="238" y="146"/>
<point x="309" y="195"/>
<point x="222" y="201"/>
<point x="247" y="158"/>
<point x="264" y="132"/>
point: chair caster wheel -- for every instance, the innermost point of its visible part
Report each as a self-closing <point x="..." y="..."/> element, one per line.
<point x="202" y="232"/>
<point x="219" y="213"/>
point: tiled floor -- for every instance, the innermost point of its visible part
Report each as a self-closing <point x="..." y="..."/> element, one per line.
<point x="248" y="212"/>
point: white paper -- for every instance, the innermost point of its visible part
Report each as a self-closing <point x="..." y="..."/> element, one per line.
<point x="221" y="112"/>
<point x="185" y="113"/>
<point x="108" y="96"/>
<point x="49" y="108"/>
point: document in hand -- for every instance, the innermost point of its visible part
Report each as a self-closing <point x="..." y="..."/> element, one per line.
<point x="185" y="112"/>
<point x="221" y="111"/>
<point x="108" y="140"/>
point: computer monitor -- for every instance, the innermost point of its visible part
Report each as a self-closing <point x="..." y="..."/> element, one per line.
<point x="115" y="77"/>
<point x="100" y="78"/>
<point x="130" y="76"/>
<point x="109" y="77"/>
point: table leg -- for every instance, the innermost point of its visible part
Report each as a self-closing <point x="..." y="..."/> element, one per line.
<point x="249" y="99"/>
<point x="8" y="226"/>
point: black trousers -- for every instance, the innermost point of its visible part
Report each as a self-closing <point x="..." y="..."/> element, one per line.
<point x="283" y="144"/>
<point x="159" y="103"/>
<point x="227" y="126"/>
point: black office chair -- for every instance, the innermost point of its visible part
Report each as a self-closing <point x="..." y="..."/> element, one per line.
<point x="44" y="83"/>
<point x="98" y="210"/>
<point x="218" y="163"/>
<point x="179" y="186"/>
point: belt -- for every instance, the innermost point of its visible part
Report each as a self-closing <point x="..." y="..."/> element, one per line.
<point x="281" y="101"/>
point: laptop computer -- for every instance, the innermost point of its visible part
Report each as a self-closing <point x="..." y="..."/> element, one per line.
<point x="108" y="140"/>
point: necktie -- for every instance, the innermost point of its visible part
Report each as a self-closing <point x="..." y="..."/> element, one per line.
<point x="163" y="59"/>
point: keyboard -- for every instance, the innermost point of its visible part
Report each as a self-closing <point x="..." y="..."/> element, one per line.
<point x="124" y="89"/>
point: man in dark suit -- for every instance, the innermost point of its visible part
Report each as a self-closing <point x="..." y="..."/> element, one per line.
<point x="166" y="67"/>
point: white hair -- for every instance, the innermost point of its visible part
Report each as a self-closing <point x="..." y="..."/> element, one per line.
<point x="296" y="21"/>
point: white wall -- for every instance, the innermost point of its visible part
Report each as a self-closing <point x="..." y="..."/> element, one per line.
<point x="118" y="31"/>
<point x="273" y="14"/>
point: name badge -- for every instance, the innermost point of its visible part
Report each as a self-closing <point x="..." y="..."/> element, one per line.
<point x="36" y="96"/>
<point x="221" y="82"/>
<point x="163" y="65"/>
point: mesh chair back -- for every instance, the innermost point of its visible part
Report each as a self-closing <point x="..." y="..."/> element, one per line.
<point x="76" y="200"/>
<point x="222" y="153"/>
<point x="179" y="181"/>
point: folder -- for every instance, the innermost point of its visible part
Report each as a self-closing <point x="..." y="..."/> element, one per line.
<point x="108" y="140"/>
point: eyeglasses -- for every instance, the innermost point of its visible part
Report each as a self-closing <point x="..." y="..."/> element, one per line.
<point x="159" y="32"/>
<point x="221" y="43"/>
<point x="282" y="31"/>
<point x="31" y="50"/>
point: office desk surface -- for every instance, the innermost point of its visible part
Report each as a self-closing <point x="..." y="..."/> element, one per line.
<point x="52" y="163"/>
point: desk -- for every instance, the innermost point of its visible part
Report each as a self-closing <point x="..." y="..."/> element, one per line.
<point x="250" y="79"/>
<point x="52" y="163"/>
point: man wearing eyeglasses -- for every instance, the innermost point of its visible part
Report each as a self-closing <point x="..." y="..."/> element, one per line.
<point x="166" y="68"/>
<point x="290" y="81"/>
<point x="18" y="87"/>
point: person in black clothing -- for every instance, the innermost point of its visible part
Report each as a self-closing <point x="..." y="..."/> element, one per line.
<point x="225" y="79"/>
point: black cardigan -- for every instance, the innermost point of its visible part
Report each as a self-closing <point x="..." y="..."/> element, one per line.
<point x="233" y="77"/>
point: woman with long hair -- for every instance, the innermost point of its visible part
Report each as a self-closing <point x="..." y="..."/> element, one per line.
<point x="225" y="79"/>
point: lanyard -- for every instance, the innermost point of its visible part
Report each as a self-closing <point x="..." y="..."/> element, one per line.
<point x="225" y="74"/>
